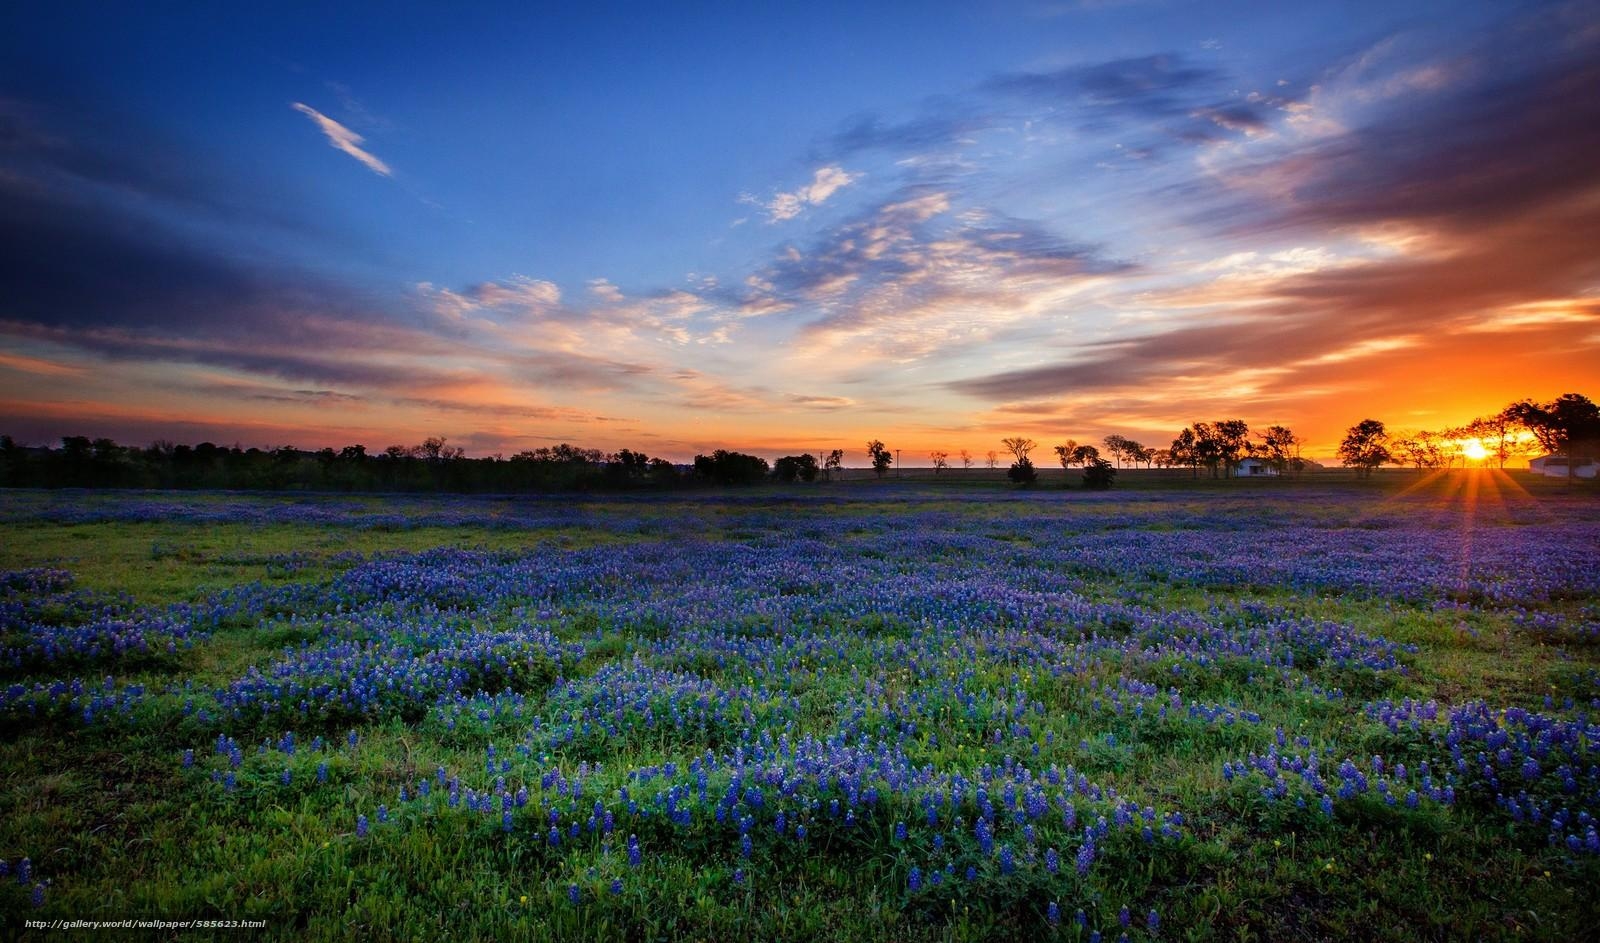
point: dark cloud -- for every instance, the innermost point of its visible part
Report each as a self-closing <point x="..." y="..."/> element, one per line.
<point x="117" y="242"/>
<point x="56" y="137"/>
<point x="1155" y="85"/>
<point x="1164" y="98"/>
<point x="1491" y="164"/>
<point x="1518" y="136"/>
<point x="942" y="124"/>
<point x="310" y="353"/>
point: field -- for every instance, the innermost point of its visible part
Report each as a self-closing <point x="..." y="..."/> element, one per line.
<point x="869" y="711"/>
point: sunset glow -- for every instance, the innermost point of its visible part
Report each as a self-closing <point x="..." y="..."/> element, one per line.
<point x="933" y="224"/>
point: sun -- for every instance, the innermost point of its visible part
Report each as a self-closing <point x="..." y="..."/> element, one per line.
<point x="1474" y="450"/>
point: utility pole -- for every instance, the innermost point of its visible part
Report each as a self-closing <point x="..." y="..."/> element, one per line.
<point x="897" y="463"/>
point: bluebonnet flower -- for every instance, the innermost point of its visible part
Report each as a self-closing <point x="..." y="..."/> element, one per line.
<point x="1053" y="913"/>
<point x="361" y="826"/>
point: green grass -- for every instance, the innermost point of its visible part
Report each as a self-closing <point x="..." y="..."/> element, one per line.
<point x="109" y="816"/>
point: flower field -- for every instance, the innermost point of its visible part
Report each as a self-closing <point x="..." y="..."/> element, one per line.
<point x="1306" y="711"/>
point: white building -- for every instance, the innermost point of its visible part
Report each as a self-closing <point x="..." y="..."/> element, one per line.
<point x="1555" y="466"/>
<point x="1253" y="468"/>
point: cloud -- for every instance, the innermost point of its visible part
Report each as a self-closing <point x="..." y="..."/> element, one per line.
<point x="343" y="139"/>
<point x="518" y="294"/>
<point x="911" y="278"/>
<point x="1452" y="213"/>
<point x="1160" y="84"/>
<point x="943" y="124"/>
<point x="825" y="182"/>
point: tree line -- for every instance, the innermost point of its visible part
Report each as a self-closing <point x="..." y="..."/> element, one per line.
<point x="1568" y="425"/>
<point x="432" y="466"/>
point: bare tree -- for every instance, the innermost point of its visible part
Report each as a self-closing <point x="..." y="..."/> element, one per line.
<point x="1018" y="446"/>
<point x="941" y="461"/>
<point x="1117" y="446"/>
<point x="993" y="458"/>
<point x="966" y="459"/>
<point x="1065" y="453"/>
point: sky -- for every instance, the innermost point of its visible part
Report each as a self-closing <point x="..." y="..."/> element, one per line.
<point x="789" y="228"/>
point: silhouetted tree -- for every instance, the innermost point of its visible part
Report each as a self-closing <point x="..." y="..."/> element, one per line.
<point x="1365" y="447"/>
<point x="1065" y="453"/>
<point x="1098" y="474"/>
<point x="1116" y="445"/>
<point x="833" y="464"/>
<point x="881" y="457"/>
<point x="1502" y="435"/>
<point x="941" y="461"/>
<point x="1022" y="472"/>
<point x="966" y="459"/>
<point x="730" y="468"/>
<point x="1185" y="451"/>
<point x="1018" y="446"/>
<point x="1422" y="449"/>
<point x="792" y="467"/>
<point x="1568" y="425"/>
<point x="1279" y="447"/>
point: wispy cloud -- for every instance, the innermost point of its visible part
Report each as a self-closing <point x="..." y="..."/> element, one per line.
<point x="343" y="139"/>
<point x="824" y="183"/>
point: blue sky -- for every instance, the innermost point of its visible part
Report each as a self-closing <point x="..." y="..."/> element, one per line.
<point x="671" y="227"/>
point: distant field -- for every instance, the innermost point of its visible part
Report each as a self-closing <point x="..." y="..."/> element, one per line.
<point x="928" y="709"/>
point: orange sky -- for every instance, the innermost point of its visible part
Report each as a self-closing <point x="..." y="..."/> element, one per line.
<point x="1401" y="222"/>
